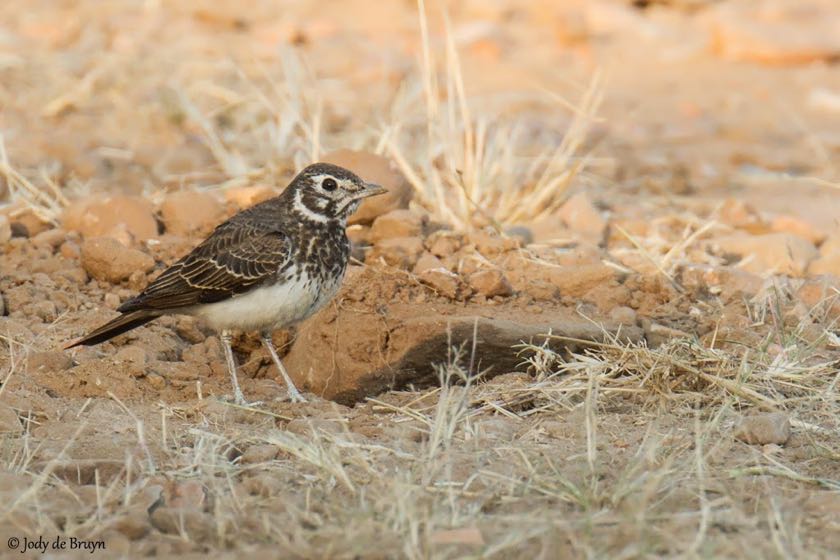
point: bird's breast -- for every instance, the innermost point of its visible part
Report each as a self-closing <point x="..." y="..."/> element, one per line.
<point x="273" y="306"/>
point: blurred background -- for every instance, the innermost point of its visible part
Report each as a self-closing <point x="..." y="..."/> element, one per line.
<point x="493" y="109"/>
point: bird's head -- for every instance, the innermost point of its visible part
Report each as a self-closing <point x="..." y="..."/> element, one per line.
<point x="323" y="192"/>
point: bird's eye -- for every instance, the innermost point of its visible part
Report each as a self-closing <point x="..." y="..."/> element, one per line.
<point x="329" y="185"/>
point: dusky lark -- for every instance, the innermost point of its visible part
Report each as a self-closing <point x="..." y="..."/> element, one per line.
<point x="266" y="268"/>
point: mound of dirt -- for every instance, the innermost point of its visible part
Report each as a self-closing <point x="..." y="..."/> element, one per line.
<point x="365" y="345"/>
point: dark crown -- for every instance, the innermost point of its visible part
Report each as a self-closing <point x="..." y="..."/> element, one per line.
<point x="329" y="169"/>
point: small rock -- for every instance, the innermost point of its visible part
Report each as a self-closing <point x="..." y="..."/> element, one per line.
<point x="442" y="281"/>
<point x="245" y="197"/>
<point x="194" y="524"/>
<point x="150" y="495"/>
<point x="444" y="243"/>
<point x="105" y="258"/>
<point x="132" y="354"/>
<point x="821" y="294"/>
<point x="396" y="223"/>
<point x="2" y="305"/>
<point x="137" y="280"/>
<point x="580" y="254"/>
<point x="735" y="282"/>
<point x="772" y="253"/>
<point x="401" y="252"/>
<point x="467" y="265"/>
<point x="831" y="244"/>
<point x="189" y="494"/>
<point x="263" y="484"/>
<point x="49" y="360"/>
<point x="825" y="264"/>
<point x="111" y="300"/>
<point x="727" y="281"/>
<point x="780" y="34"/>
<point x="133" y="524"/>
<point x="542" y="280"/>
<point x="491" y="244"/>
<point x="375" y="169"/>
<point x="110" y="215"/>
<point x="187" y="212"/>
<point x="156" y="381"/>
<point x="44" y="310"/>
<point x="797" y="226"/>
<point x="623" y="315"/>
<point x="187" y="328"/>
<point x="28" y="224"/>
<point x="51" y="238"/>
<point x="741" y="215"/>
<point x="581" y="216"/>
<point x="359" y="235"/>
<point x="490" y="282"/>
<point x="762" y="429"/>
<point x="427" y="261"/>
<point x="522" y="233"/>
<point x="5" y="229"/>
<point x="259" y="453"/>
<point x="70" y="250"/>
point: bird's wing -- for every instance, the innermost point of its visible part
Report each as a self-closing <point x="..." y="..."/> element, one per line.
<point x="234" y="258"/>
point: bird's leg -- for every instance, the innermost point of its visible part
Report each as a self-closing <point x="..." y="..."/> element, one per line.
<point x="238" y="397"/>
<point x="294" y="394"/>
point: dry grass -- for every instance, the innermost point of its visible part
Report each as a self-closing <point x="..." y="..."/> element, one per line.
<point x="484" y="166"/>
<point x="471" y="161"/>
<point x="619" y="451"/>
<point x="46" y="202"/>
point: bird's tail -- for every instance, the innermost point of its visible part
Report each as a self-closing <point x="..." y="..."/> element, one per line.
<point x="121" y="324"/>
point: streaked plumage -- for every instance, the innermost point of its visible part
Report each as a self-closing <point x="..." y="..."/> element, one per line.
<point x="268" y="267"/>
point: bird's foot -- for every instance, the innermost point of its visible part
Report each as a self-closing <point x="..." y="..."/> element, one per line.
<point x="295" y="396"/>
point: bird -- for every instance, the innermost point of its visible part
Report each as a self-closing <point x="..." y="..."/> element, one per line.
<point x="268" y="267"/>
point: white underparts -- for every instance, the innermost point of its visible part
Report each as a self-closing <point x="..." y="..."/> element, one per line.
<point x="269" y="307"/>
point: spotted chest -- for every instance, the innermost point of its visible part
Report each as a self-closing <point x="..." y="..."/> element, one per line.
<point x="322" y="252"/>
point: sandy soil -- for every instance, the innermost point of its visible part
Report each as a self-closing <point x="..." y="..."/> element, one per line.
<point x="597" y="318"/>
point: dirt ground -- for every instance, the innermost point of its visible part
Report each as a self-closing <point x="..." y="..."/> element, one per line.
<point x="595" y="318"/>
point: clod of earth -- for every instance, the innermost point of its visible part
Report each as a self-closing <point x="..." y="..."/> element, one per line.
<point x="762" y="429"/>
<point x="5" y="229"/>
<point x="779" y="253"/>
<point x="401" y="252"/>
<point x="397" y="223"/>
<point x="188" y="212"/>
<point x="112" y="216"/>
<point x="347" y="355"/>
<point x="105" y="258"/>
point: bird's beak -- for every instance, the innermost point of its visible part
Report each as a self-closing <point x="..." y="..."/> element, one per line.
<point x="370" y="189"/>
